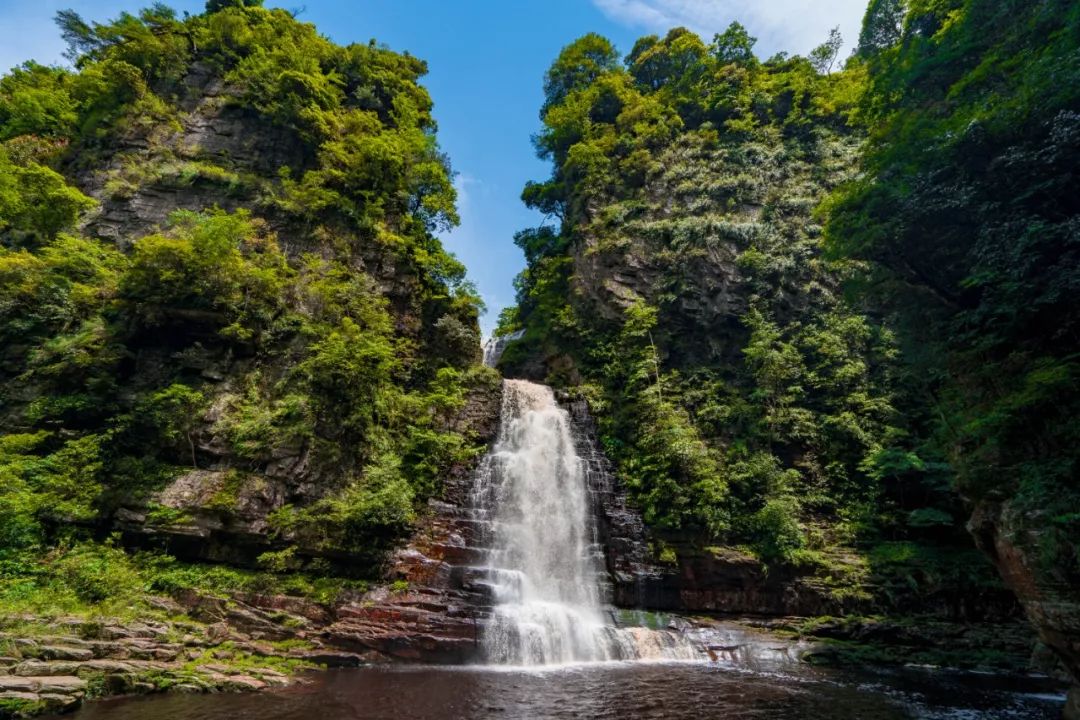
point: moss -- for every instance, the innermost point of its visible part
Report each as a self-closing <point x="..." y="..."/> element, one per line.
<point x="20" y="708"/>
<point x="844" y="653"/>
<point x="243" y="662"/>
<point x="165" y="516"/>
<point x="226" y="497"/>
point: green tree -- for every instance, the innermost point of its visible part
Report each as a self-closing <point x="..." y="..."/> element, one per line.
<point x="579" y="64"/>
<point x="213" y="6"/>
<point x="175" y="412"/>
<point x="36" y="201"/>
<point x="734" y="45"/>
<point x="823" y="57"/>
<point x="35" y="99"/>
<point x="881" y="26"/>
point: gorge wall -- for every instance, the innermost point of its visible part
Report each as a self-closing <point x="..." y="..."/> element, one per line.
<point x="817" y="310"/>
<point x="814" y="326"/>
<point x="749" y="407"/>
<point x="229" y="332"/>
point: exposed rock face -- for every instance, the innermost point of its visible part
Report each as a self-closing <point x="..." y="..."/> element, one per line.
<point x="1048" y="597"/>
<point x="138" y="187"/>
<point x="152" y="170"/>
<point x="434" y="608"/>
<point x="219" y="515"/>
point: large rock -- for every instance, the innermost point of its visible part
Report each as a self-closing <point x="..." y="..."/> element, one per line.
<point x="1048" y="594"/>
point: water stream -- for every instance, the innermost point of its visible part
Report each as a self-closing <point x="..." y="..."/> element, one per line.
<point x="544" y="564"/>
<point x="613" y="691"/>
<point x="494" y="347"/>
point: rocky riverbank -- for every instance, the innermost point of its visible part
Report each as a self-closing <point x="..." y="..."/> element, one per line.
<point x="208" y="644"/>
<point x="55" y="664"/>
<point x="254" y="643"/>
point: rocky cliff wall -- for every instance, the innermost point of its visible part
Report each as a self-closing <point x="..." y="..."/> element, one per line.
<point x="274" y="351"/>
<point x="726" y="580"/>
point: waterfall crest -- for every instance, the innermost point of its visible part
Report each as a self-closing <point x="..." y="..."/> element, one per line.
<point x="543" y="563"/>
<point x="494" y="347"/>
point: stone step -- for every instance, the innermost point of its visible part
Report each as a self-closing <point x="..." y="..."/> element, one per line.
<point x="45" y="668"/>
<point x="457" y="555"/>
<point x="40" y="702"/>
<point x="61" y="640"/>
<point x="61" y="652"/>
<point x="468" y="513"/>
<point x="471" y="530"/>
<point x="57" y="668"/>
<point x="64" y="684"/>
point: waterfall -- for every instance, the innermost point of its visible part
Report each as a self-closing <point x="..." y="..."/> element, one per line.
<point x="494" y="347"/>
<point x="543" y="564"/>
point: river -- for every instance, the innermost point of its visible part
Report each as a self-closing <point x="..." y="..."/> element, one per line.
<point x="621" y="691"/>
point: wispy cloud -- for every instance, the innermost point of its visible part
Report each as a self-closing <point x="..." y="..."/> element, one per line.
<point x="462" y="183"/>
<point x="794" y="26"/>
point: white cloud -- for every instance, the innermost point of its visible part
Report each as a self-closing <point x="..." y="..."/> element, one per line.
<point x="794" y="26"/>
<point x="462" y="183"/>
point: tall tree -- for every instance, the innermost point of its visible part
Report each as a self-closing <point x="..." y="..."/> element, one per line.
<point x="881" y="27"/>
<point x="579" y="64"/>
<point x="823" y="57"/>
<point x="734" y="45"/>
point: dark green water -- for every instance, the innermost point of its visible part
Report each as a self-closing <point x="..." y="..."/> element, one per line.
<point x="617" y="691"/>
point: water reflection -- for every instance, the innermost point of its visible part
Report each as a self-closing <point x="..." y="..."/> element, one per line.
<point x="619" y="691"/>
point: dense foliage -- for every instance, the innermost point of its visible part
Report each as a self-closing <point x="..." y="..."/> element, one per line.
<point x="808" y="300"/>
<point x="316" y="317"/>
<point x="968" y="209"/>
<point x="745" y="397"/>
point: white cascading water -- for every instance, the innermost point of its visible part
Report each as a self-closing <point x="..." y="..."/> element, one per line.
<point x="543" y="564"/>
<point x="493" y="348"/>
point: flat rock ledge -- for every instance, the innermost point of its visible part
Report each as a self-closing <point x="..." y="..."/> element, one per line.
<point x="52" y="665"/>
<point x="196" y="643"/>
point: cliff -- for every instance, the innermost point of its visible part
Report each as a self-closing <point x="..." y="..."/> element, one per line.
<point x="236" y="364"/>
<point x="229" y="330"/>
<point x="819" y="313"/>
<point x="748" y="404"/>
<point x="966" y="218"/>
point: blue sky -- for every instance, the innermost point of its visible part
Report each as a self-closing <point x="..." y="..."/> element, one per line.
<point x="487" y="60"/>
